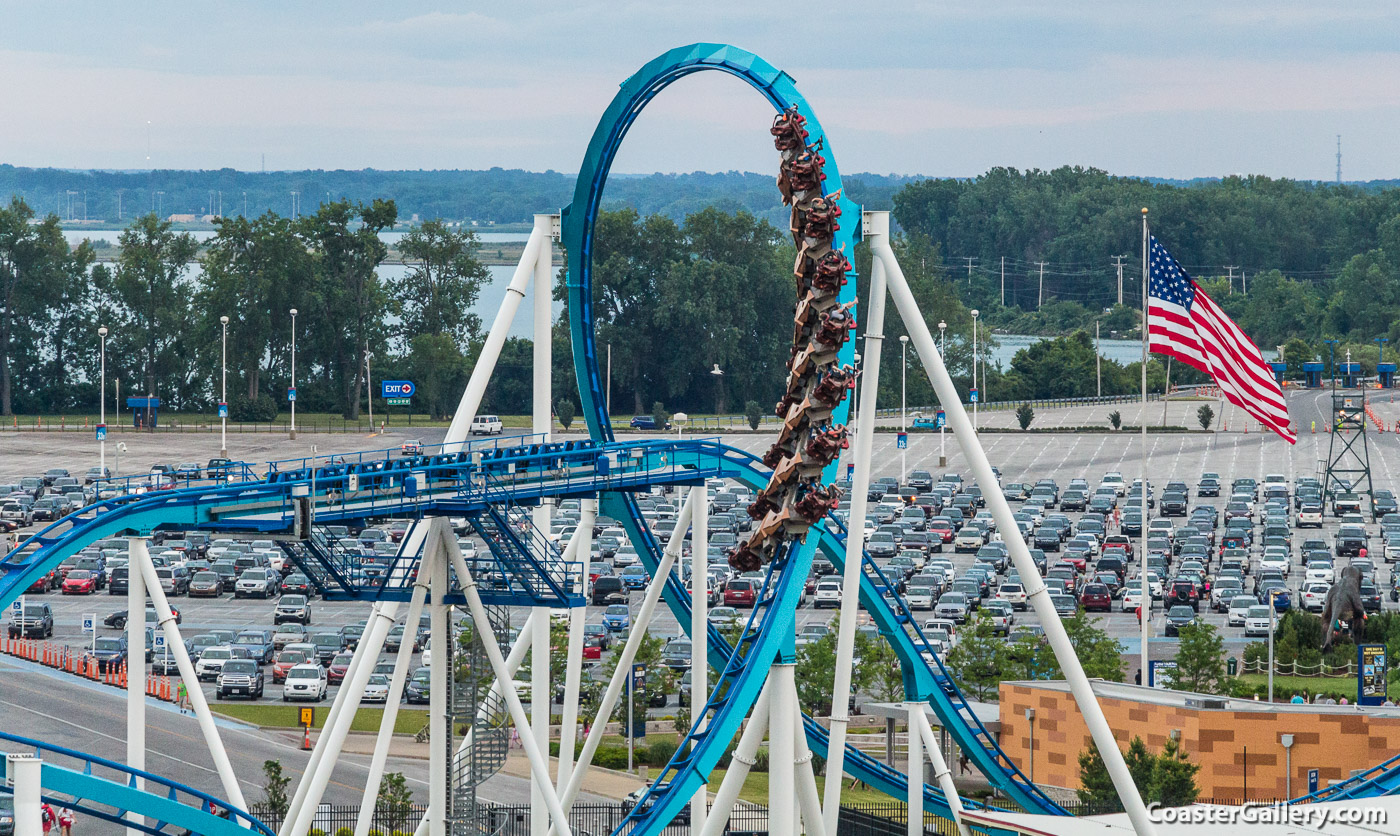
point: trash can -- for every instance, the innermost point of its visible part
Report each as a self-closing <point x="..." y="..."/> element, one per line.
<point x="1232" y="665"/>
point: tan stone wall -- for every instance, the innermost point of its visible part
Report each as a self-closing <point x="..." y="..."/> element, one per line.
<point x="1334" y="743"/>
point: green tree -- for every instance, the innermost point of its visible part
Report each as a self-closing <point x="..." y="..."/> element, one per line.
<point x="659" y="414"/>
<point x="879" y="672"/>
<point x="979" y="658"/>
<point x="815" y="671"/>
<point x="1174" y="778"/>
<point x="394" y="803"/>
<point x="1200" y="659"/>
<point x="151" y="300"/>
<point x="1098" y="652"/>
<point x="659" y="679"/>
<point x="442" y="284"/>
<point x="1025" y="415"/>
<point x="439" y="370"/>
<point x="1095" y="786"/>
<point x="1205" y="415"/>
<point x="1296" y="352"/>
<point x="349" y="299"/>
<point x="275" y="788"/>
<point x="255" y="272"/>
<point x="1116" y="419"/>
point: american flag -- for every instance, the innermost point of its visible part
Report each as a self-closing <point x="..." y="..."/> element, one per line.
<point x="1183" y="322"/>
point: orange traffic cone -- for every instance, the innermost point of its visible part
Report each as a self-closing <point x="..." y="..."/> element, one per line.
<point x="306" y="739"/>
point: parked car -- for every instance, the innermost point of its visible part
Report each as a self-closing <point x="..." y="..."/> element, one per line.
<point x="206" y="585"/>
<point x="35" y="621"/>
<point x="256" y="583"/>
<point x="292" y="608"/>
<point x="240" y="677"/>
<point x="617" y="618"/>
<point x="487" y="425"/>
<point x="1178" y="617"/>
<point x="741" y="592"/>
<point x="305" y="682"/>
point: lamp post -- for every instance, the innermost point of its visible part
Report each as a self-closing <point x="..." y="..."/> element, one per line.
<point x="978" y="396"/>
<point x="1380" y="353"/>
<point x="223" y="391"/>
<point x="1273" y="622"/>
<point x="903" y="404"/>
<point x="293" y="391"/>
<point x="102" y="398"/>
<point x="942" y="438"/>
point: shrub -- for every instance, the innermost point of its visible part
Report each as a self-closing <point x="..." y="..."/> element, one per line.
<point x="345" y="831"/>
<point x="1205" y="415"/>
<point x="564" y="410"/>
<point x="611" y="757"/>
<point x="1025" y="415"/>
<point x="253" y="410"/>
<point x="660" y="415"/>
<point x="760" y="760"/>
<point x="656" y="753"/>
<point x="754" y="413"/>
<point x="1116" y="419"/>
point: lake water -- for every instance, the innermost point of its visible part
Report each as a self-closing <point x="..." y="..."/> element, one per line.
<point x="76" y="236"/>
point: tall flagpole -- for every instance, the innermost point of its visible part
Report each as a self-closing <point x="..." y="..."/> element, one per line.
<point x="1142" y="555"/>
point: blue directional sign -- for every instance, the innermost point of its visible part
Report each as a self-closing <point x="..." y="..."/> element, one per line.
<point x="1312" y="780"/>
<point x="292" y="395"/>
<point x="397" y="388"/>
<point x="940" y="419"/>
<point x="901" y="441"/>
<point x="972" y="396"/>
<point x="101" y="432"/>
<point x="223" y="410"/>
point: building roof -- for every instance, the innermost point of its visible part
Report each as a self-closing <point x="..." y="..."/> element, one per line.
<point x="1203" y="702"/>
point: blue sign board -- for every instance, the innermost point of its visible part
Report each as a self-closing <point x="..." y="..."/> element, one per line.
<point x="1312" y="780"/>
<point x="292" y="395"/>
<point x="223" y="410"/>
<point x="1161" y="673"/>
<point x="940" y="419"/>
<point x="901" y="441"/>
<point x="101" y="432"/>
<point x="397" y="388"/>
<point x="972" y="396"/>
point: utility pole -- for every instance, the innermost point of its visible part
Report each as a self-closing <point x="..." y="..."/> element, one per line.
<point x="1339" y="159"/>
<point x="1231" y="278"/>
<point x="1244" y="283"/>
<point x="970" y="259"/>
<point x="119" y="203"/>
<point x="1003" y="281"/>
<point x="1098" y="365"/>
<point x="1040" y="296"/>
<point x="1118" y="262"/>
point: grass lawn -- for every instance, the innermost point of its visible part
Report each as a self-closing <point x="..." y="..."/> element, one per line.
<point x="408" y="721"/>
<point x="1343" y="684"/>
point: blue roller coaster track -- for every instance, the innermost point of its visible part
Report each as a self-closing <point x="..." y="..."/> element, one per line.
<point x="486" y="482"/>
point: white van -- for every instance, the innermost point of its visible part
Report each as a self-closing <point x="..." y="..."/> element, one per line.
<point x="487" y="425"/>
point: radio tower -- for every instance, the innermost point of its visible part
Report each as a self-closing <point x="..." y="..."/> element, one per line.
<point x="1339" y="159"/>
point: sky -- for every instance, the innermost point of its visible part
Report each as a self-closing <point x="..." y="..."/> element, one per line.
<point x="1192" y="88"/>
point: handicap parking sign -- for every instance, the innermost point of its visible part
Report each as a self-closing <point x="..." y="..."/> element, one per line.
<point x="159" y="643"/>
<point x="89" y="623"/>
<point x="972" y="396"/>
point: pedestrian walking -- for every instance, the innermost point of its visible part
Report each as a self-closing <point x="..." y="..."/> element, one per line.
<point x="65" y="822"/>
<point x="182" y="695"/>
<point x="47" y="818"/>
<point x="964" y="764"/>
<point x="514" y="737"/>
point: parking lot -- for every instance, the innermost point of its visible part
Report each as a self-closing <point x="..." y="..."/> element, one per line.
<point x="1021" y="458"/>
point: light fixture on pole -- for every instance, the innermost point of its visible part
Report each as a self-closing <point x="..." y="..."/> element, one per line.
<point x="223" y="391"/>
<point x="976" y="395"/>
<point x="1287" y="741"/>
<point x="903" y="404"/>
<point x="102" y="400"/>
<point x="942" y="437"/>
<point x="292" y="390"/>
<point x="1030" y="736"/>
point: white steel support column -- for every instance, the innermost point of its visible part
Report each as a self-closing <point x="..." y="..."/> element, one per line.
<point x="141" y="561"/>
<point x="323" y="742"/>
<point x="580" y="549"/>
<point x="874" y="321"/>
<point x="534" y="753"/>
<point x="491" y="351"/>
<point x="808" y="800"/>
<point x="624" y="661"/>
<point x="877" y="235"/>
<point x="942" y="776"/>
<point x="914" y="770"/>
<point x="355" y="680"/>
<point x="440" y="627"/>
<point x="743" y="759"/>
<point x="782" y="751"/>
<point x="25" y="772"/>
<point x="402" y="661"/>
<point x="542" y="695"/>
<point x="136" y="672"/>
<point x="699" y="627"/>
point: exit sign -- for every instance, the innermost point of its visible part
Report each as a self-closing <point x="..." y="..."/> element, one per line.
<point x="398" y="401"/>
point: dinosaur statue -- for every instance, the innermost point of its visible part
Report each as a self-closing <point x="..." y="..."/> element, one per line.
<point x="1344" y="607"/>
